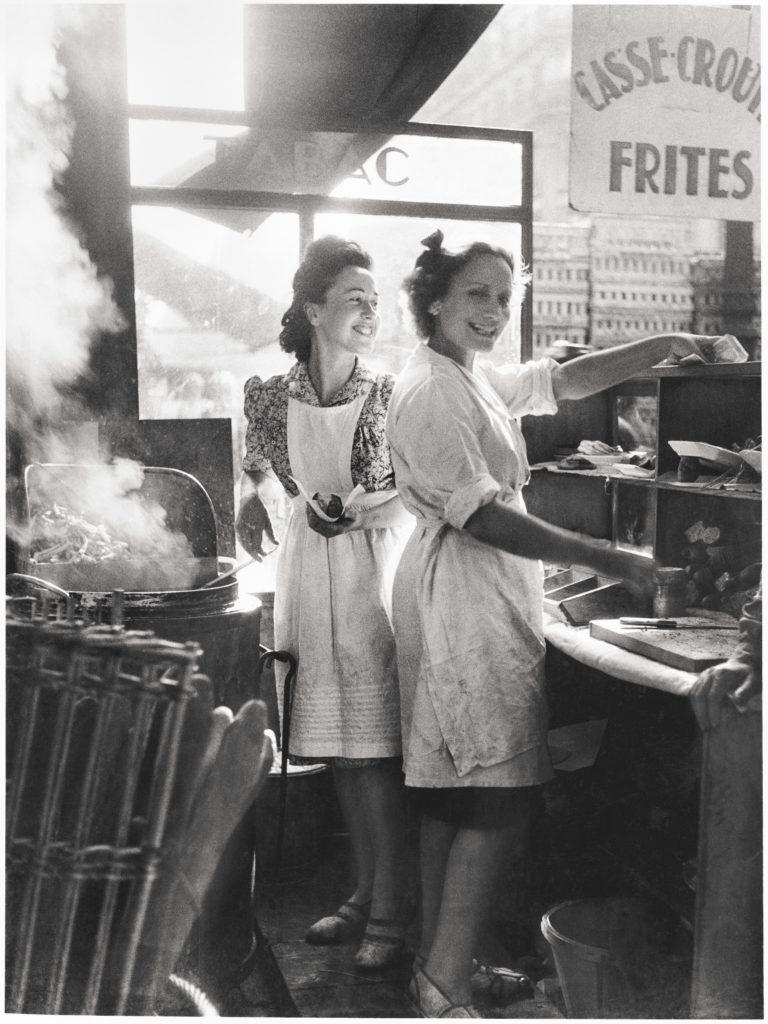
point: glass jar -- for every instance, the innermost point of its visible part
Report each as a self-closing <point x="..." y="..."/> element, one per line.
<point x="669" y="592"/>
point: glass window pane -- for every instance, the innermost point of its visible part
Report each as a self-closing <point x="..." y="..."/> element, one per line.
<point x="394" y="244"/>
<point x="636" y="518"/>
<point x="183" y="55"/>
<point x="407" y="168"/>
<point x="177" y="153"/>
<point x="211" y="287"/>
<point x="637" y="421"/>
<point x="413" y="167"/>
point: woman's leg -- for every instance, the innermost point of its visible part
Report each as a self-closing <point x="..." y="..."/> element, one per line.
<point x="347" y="922"/>
<point x="350" y="795"/>
<point x="383" y="799"/>
<point x="435" y="841"/>
<point x="472" y="872"/>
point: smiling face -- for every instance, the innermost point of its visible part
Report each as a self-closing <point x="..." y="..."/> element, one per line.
<point x="349" y="317"/>
<point x="475" y="309"/>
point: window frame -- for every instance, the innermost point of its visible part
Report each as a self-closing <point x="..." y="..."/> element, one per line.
<point x="308" y="205"/>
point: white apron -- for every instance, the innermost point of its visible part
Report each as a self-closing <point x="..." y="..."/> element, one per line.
<point x="333" y="602"/>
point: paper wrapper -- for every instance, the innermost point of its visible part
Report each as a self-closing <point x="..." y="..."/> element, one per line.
<point x="316" y="508"/>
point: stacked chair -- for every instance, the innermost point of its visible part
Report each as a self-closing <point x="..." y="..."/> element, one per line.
<point x="124" y="786"/>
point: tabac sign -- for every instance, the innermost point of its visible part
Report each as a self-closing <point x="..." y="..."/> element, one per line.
<point x="665" y="111"/>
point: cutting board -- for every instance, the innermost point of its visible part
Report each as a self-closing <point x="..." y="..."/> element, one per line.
<point x="689" y="650"/>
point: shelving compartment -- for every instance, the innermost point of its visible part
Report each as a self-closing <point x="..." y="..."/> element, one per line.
<point x="720" y="554"/>
<point x="716" y="410"/>
<point x="573" y="501"/>
<point x="574" y="421"/>
<point x="634" y="515"/>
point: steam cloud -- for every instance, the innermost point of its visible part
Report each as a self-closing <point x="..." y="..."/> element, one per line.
<point x="55" y="303"/>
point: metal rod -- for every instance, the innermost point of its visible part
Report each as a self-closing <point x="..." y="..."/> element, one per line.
<point x="247" y="199"/>
<point x="38" y="581"/>
<point x="163" y="779"/>
<point x="71" y="897"/>
<point x="250" y="119"/>
<point x="30" y="703"/>
<point x="59" y="748"/>
<point x="230" y="572"/>
<point x="138" y="737"/>
<point x="117" y="615"/>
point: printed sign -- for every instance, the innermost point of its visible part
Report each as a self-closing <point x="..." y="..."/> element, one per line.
<point x="665" y="111"/>
<point x="409" y="168"/>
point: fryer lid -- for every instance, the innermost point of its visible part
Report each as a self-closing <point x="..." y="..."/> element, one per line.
<point x="189" y="511"/>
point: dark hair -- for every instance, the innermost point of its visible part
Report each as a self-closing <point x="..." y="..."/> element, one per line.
<point x="435" y="268"/>
<point x="323" y="261"/>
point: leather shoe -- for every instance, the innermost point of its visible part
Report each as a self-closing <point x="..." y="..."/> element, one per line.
<point x="429" y="1001"/>
<point x="383" y="944"/>
<point x="345" y="925"/>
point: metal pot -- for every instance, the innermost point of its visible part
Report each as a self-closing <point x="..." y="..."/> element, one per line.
<point x="129" y="574"/>
<point x="97" y="604"/>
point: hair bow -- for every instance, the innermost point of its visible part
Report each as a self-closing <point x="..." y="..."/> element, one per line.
<point x="435" y="241"/>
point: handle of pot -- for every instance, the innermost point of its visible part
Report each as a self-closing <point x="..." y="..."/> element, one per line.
<point x="266" y="659"/>
<point x="35" y="581"/>
<point x="232" y="568"/>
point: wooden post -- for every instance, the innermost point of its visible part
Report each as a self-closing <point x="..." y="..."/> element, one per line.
<point x="96" y="190"/>
<point x="739" y="300"/>
<point x="728" y="941"/>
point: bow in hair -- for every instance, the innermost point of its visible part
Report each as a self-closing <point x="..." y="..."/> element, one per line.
<point x="435" y="241"/>
<point x="433" y="252"/>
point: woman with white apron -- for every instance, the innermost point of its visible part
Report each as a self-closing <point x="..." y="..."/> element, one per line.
<point x="468" y="597"/>
<point x="320" y="430"/>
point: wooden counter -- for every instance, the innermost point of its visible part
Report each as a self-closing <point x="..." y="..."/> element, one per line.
<point x="576" y="642"/>
<point x="715" y="777"/>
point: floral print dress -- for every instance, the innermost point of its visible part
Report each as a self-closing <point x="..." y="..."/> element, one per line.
<point x="333" y="596"/>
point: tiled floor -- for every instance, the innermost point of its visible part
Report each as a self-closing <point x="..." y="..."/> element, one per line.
<point x="321" y="979"/>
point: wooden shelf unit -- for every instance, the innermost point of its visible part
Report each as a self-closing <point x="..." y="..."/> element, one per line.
<point x="718" y="404"/>
<point x="674" y="813"/>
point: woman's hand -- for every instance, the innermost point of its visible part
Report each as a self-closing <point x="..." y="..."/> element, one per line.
<point x="635" y="571"/>
<point x="684" y="346"/>
<point x="732" y="680"/>
<point x="346" y="524"/>
<point x="252" y="524"/>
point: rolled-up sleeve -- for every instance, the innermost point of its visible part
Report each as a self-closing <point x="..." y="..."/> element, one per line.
<point x="435" y="439"/>
<point x="525" y="388"/>
<point x="256" y="458"/>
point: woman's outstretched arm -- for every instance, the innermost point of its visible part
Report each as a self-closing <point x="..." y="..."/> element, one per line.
<point x="588" y="374"/>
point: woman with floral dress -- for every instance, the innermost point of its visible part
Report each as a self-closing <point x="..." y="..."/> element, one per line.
<point x="319" y="429"/>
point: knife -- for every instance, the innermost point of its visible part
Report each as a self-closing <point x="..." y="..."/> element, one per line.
<point x="670" y="624"/>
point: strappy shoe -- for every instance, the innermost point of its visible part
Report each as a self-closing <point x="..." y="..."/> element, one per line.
<point x="346" y="925"/>
<point x="383" y="944"/>
<point x="499" y="985"/>
<point x="430" y="1001"/>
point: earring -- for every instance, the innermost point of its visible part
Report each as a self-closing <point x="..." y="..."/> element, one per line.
<point x="434" y="309"/>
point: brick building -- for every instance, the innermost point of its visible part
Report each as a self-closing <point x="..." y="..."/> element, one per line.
<point x="707" y="283"/>
<point x="640" y="279"/>
<point x="560" y="292"/>
<point x="599" y="279"/>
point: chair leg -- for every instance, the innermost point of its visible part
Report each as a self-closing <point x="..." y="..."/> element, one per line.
<point x="271" y="977"/>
